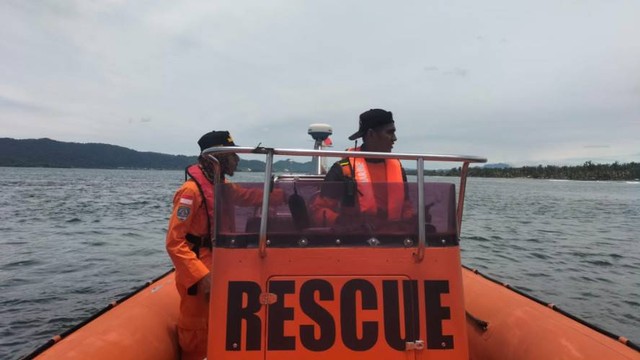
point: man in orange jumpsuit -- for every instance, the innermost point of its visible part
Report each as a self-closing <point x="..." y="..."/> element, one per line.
<point x="364" y="192"/>
<point x="189" y="238"/>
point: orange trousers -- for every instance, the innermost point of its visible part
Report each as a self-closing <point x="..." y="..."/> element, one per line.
<point x="193" y="325"/>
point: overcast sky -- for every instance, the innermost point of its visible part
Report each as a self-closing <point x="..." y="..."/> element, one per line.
<point x="521" y="82"/>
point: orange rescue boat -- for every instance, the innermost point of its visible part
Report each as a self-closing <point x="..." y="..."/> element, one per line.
<point x="285" y="287"/>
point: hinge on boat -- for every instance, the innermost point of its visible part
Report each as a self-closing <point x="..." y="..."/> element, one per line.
<point x="414" y="345"/>
<point x="268" y="298"/>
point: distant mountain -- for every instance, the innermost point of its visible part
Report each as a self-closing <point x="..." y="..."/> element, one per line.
<point x="289" y="165"/>
<point x="497" y="166"/>
<point x="51" y="153"/>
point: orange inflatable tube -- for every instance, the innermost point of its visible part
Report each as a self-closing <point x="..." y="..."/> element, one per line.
<point x="140" y="326"/>
<point x="518" y="327"/>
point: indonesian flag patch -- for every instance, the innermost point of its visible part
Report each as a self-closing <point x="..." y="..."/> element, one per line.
<point x="186" y="199"/>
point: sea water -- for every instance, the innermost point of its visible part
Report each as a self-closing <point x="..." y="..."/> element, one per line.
<point x="73" y="240"/>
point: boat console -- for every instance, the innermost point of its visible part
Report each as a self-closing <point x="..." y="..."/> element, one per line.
<point x="315" y="276"/>
<point x="301" y="224"/>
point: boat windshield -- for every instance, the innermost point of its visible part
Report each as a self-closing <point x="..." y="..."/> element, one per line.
<point x="327" y="214"/>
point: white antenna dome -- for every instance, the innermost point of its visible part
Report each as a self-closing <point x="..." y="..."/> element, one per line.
<point x="320" y="132"/>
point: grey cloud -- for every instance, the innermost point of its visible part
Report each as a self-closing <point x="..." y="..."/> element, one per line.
<point x="460" y="72"/>
<point x="64" y="9"/>
<point x="10" y="104"/>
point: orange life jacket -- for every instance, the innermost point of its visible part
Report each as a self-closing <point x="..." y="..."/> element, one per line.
<point x="206" y="190"/>
<point x="357" y="169"/>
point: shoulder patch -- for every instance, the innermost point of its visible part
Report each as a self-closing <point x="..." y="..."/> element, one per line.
<point x="183" y="212"/>
<point x="186" y="199"/>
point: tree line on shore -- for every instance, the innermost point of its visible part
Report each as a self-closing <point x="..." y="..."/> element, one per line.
<point x="587" y="171"/>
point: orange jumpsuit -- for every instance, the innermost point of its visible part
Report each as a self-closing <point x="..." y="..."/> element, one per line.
<point x="189" y="216"/>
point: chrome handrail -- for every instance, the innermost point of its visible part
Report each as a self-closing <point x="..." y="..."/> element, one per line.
<point x="463" y="185"/>
<point x="422" y="236"/>
<point x="265" y="204"/>
<point x="341" y="154"/>
<point x="419" y="158"/>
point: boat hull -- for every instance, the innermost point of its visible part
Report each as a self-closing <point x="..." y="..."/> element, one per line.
<point x="141" y="327"/>
<point x="521" y="328"/>
<point x="144" y="327"/>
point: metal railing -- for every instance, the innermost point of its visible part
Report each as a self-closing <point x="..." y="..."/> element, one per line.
<point x="419" y="158"/>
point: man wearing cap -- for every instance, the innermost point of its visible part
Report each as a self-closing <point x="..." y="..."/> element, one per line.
<point x="189" y="237"/>
<point x="363" y="192"/>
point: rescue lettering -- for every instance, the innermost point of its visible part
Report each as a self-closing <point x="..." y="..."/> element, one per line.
<point x="236" y="311"/>
<point x="348" y="325"/>
<point x="320" y="315"/>
<point x="436" y="313"/>
<point x="317" y="296"/>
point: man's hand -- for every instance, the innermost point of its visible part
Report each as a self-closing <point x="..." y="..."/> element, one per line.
<point x="204" y="285"/>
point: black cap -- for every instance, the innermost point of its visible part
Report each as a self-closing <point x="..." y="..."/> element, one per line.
<point x="215" y="138"/>
<point x="372" y="119"/>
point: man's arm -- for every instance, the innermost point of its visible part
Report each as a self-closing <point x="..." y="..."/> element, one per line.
<point x="325" y="207"/>
<point x="334" y="175"/>
<point x="189" y="269"/>
<point x="408" y="208"/>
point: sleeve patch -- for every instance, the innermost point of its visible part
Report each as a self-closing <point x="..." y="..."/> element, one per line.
<point x="186" y="199"/>
<point x="183" y="212"/>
